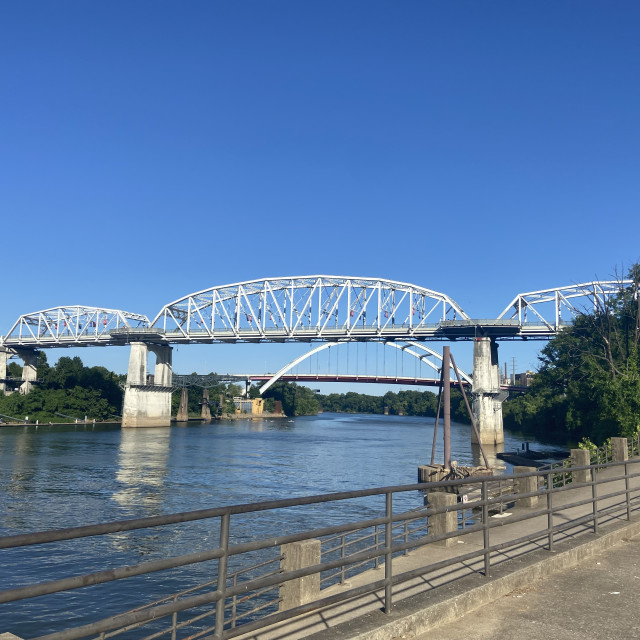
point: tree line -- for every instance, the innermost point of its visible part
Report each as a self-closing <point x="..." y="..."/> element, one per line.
<point x="69" y="390"/>
<point x="66" y="390"/>
<point x="300" y="400"/>
<point x="588" y="382"/>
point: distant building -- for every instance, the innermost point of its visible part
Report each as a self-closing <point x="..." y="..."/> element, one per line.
<point x="251" y="407"/>
<point x="521" y="379"/>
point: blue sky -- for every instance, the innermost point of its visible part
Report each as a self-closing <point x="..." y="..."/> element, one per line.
<point x="149" y="149"/>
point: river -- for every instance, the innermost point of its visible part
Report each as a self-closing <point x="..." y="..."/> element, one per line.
<point x="64" y="476"/>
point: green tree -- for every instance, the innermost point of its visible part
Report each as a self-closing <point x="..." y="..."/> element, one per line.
<point x="14" y="370"/>
<point x="588" y="383"/>
<point x="296" y="400"/>
<point x="67" y="388"/>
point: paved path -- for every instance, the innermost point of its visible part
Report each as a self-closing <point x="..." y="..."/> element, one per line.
<point x="597" y="599"/>
<point x="445" y="594"/>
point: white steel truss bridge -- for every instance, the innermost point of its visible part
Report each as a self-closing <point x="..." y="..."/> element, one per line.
<point x="310" y="309"/>
<point x="331" y="310"/>
<point x="71" y="326"/>
<point x="305" y="309"/>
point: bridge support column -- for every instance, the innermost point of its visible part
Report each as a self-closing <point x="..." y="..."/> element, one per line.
<point x="148" y="405"/>
<point x="29" y="359"/>
<point x="162" y="374"/>
<point x="487" y="396"/>
<point x="206" y="409"/>
<point x="183" y="409"/>
<point x="4" y="357"/>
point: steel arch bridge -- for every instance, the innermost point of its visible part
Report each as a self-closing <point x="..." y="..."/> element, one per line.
<point x="415" y="349"/>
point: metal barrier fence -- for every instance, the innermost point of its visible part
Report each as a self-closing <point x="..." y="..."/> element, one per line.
<point x="232" y="603"/>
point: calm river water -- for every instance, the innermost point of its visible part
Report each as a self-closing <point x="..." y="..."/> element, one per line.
<point x="56" y="477"/>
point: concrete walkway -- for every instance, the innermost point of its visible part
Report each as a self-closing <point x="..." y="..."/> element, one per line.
<point x="442" y="596"/>
<point x="596" y="600"/>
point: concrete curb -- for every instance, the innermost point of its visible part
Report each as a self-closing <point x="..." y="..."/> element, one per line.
<point x="423" y="613"/>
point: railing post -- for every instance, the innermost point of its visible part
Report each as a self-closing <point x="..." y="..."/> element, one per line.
<point x="627" y="490"/>
<point x="388" y="567"/>
<point x="594" y="499"/>
<point x="440" y="523"/>
<point x="406" y="536"/>
<point x="525" y="485"/>
<point x="234" y="603"/>
<point x="343" y="553"/>
<point x="377" y="543"/>
<point x="550" y="508"/>
<point x="580" y="458"/>
<point x="485" y="529"/>
<point x="222" y="574"/>
<point x="174" y="621"/>
<point x="619" y="449"/>
<point x="297" y="555"/>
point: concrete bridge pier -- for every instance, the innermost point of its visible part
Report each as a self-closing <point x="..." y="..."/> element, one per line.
<point x="148" y="403"/>
<point x="206" y="409"/>
<point x="29" y="359"/>
<point x="183" y="409"/>
<point x="5" y="354"/>
<point x="487" y="395"/>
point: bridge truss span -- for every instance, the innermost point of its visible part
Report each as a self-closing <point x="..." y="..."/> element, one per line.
<point x="72" y="326"/>
<point x="307" y="308"/>
<point x="541" y="312"/>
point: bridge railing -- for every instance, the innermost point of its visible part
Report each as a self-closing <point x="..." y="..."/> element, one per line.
<point x="244" y="585"/>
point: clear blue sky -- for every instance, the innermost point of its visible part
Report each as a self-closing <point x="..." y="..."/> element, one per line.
<point x="149" y="149"/>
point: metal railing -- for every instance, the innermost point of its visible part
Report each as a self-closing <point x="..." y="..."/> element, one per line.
<point x="357" y="541"/>
<point x="233" y="603"/>
<point x="559" y="474"/>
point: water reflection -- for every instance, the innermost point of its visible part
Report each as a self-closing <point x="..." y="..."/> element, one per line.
<point x="16" y="456"/>
<point x="142" y="469"/>
<point x="491" y="452"/>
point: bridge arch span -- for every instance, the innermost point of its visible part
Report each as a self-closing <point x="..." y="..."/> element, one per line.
<point x="411" y="348"/>
<point x="306" y="308"/>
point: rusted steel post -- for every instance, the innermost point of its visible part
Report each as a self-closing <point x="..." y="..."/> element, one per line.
<point x="446" y="391"/>
<point x="435" y="426"/>
<point x="473" y="422"/>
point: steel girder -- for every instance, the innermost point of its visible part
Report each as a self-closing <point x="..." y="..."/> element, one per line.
<point x="71" y="326"/>
<point x="207" y="380"/>
<point x="540" y="312"/>
<point x="306" y="308"/>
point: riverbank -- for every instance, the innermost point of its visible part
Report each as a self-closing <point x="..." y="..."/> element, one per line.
<point x="87" y="423"/>
<point x="235" y="416"/>
<point x="194" y="420"/>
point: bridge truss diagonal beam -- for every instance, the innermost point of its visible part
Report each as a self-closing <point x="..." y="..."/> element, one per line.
<point x="545" y="307"/>
<point x="411" y="348"/>
<point x="306" y="308"/>
<point x="71" y="326"/>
